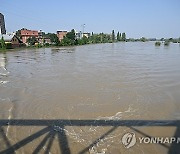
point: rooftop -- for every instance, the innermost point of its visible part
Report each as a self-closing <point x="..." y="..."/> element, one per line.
<point x="7" y="37"/>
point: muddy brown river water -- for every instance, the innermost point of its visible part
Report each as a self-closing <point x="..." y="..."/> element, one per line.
<point x="84" y="99"/>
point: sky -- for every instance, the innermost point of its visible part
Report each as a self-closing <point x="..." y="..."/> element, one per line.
<point x="138" y="18"/>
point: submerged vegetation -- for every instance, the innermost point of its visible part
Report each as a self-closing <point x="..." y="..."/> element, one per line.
<point x="157" y="43"/>
<point x="167" y="42"/>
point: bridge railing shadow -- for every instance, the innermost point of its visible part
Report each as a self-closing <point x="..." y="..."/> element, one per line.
<point x="50" y="130"/>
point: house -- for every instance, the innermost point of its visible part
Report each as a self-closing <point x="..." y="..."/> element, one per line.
<point x="86" y="35"/>
<point x="44" y="40"/>
<point x="12" y="39"/>
<point x="25" y="34"/>
<point x="80" y="35"/>
<point x="61" y="34"/>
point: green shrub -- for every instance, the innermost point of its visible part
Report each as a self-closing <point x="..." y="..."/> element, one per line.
<point x="157" y="43"/>
<point x="38" y="45"/>
<point x="47" y="45"/>
<point x="3" y="44"/>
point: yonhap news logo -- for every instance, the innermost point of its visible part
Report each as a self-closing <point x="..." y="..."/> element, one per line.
<point x="129" y="140"/>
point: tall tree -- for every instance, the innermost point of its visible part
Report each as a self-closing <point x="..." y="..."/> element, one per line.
<point x="3" y="44"/>
<point x="71" y="35"/>
<point x="123" y="36"/>
<point x="53" y="37"/>
<point x="118" y="37"/>
<point x="18" y="34"/>
<point x="69" y="39"/>
<point x="113" y="36"/>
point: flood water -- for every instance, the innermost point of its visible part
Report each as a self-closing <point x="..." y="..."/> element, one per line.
<point x="121" y="81"/>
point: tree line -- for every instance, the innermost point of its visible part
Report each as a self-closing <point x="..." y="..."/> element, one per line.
<point x="71" y="39"/>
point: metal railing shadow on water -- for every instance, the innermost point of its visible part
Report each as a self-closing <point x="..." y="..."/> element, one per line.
<point x="50" y="130"/>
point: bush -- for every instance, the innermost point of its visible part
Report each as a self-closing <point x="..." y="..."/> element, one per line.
<point x="175" y="41"/>
<point x="143" y="39"/>
<point x="32" y="40"/>
<point x="38" y="45"/>
<point x="47" y="45"/>
<point x="157" y="43"/>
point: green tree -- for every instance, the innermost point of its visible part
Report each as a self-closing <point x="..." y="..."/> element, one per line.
<point x="53" y="37"/>
<point x="157" y="43"/>
<point x="101" y="36"/>
<point x="113" y="36"/>
<point x="71" y="35"/>
<point x="118" y="36"/>
<point x="143" y="39"/>
<point x="162" y="39"/>
<point x="66" y="42"/>
<point x="18" y="34"/>
<point x="85" y="40"/>
<point x="32" y="40"/>
<point x="124" y="37"/>
<point x="44" y="41"/>
<point x="69" y="39"/>
<point x="3" y="44"/>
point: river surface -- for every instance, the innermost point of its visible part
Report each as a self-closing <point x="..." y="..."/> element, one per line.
<point x="121" y="81"/>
